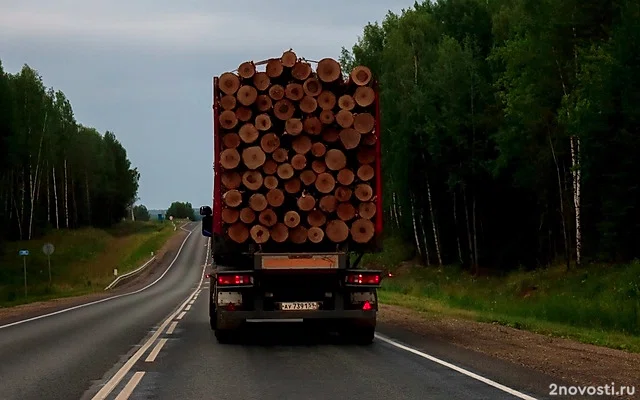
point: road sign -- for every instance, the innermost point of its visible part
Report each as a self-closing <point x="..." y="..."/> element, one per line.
<point x="48" y="249"/>
<point x="23" y="253"/>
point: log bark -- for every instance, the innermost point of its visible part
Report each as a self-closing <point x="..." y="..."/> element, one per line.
<point x="228" y="119"/>
<point x="247" y="95"/>
<point x="276" y="92"/>
<point x="318" y="149"/>
<point x="350" y="138"/>
<point x="318" y="166"/>
<point x="231" y="140"/>
<point x="280" y="155"/>
<point x="327" y="117"/>
<point x="284" y="109"/>
<point x="232" y="198"/>
<point x="238" y="232"/>
<point x="346" y="102"/>
<point x="229" y="158"/>
<point x="299" y="234"/>
<point x="263" y="122"/>
<point x="361" y="75"/>
<point x="337" y="231"/>
<point x="363" y="192"/>
<point x="268" y="218"/>
<point x="312" y="125"/>
<point x="308" y="177"/>
<point x="346" y="211"/>
<point x="270" y="182"/>
<point x="366" y="172"/>
<point x="258" y="202"/>
<point x="325" y="183"/>
<point x="330" y="135"/>
<point x="301" y="144"/>
<point x="346" y="177"/>
<point x="229" y="83"/>
<point x="299" y="162"/>
<point x="328" y="204"/>
<point x="270" y="142"/>
<point x="291" y="219"/>
<point x="231" y="179"/>
<point x="261" y="81"/>
<point x="243" y="113"/>
<point x="270" y="167"/>
<point x="367" y="210"/>
<point x="335" y="159"/>
<point x="252" y="180"/>
<point x="274" y="68"/>
<point x="316" y="218"/>
<point x="312" y="87"/>
<point x="264" y="103"/>
<point x="343" y="194"/>
<point x="285" y="171"/>
<point x="275" y="197"/>
<point x="228" y="102"/>
<point x="279" y="233"/>
<point x="327" y="100"/>
<point x="247" y="70"/>
<point x="308" y="104"/>
<point x="301" y="70"/>
<point x="364" y="123"/>
<point x="230" y="215"/>
<point x="248" y="133"/>
<point x="306" y="202"/>
<point x="289" y="58"/>
<point x="294" y="92"/>
<point x="364" y="96"/>
<point x="247" y="215"/>
<point x="293" y="126"/>
<point x="259" y="234"/>
<point x="315" y="234"/>
<point x="328" y="70"/>
<point x="344" y="118"/>
<point x="253" y="157"/>
<point x="362" y="230"/>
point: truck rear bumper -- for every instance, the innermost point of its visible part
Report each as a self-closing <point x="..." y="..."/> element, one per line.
<point x="235" y="319"/>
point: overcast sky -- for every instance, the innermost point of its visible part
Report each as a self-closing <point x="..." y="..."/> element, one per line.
<point x="143" y="68"/>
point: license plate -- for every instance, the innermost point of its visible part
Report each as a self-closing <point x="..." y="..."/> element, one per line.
<point x="300" y="305"/>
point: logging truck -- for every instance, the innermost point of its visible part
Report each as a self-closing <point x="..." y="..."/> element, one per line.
<point x="297" y="196"/>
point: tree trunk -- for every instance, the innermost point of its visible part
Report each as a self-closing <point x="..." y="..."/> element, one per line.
<point x="562" y="213"/>
<point x="455" y="221"/>
<point x="466" y="213"/>
<point x="66" y="195"/>
<point x="415" y="226"/>
<point x="55" y="197"/>
<point x="436" y="238"/>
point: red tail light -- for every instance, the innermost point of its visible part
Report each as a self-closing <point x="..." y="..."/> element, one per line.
<point x="233" y="280"/>
<point x="366" y="306"/>
<point x="363" y="279"/>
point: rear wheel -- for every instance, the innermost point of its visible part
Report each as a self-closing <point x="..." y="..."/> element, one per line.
<point x="361" y="335"/>
<point x="213" y="321"/>
<point x="224" y="336"/>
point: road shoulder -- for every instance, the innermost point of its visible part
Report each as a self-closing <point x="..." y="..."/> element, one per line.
<point x="163" y="257"/>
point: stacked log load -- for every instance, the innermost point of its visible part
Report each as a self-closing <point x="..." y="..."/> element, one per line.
<point x="298" y="152"/>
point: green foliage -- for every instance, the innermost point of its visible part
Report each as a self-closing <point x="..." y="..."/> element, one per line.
<point x="141" y="213"/>
<point x="483" y="104"/>
<point x="181" y="210"/>
<point x="54" y="172"/>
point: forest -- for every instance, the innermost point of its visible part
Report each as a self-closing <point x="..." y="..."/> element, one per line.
<point x="510" y="129"/>
<point x="56" y="173"/>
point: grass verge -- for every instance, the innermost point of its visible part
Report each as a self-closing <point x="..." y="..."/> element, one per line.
<point x="83" y="260"/>
<point x="597" y="304"/>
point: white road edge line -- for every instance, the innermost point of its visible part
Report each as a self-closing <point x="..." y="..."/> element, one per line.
<point x="188" y="307"/>
<point x="463" y="371"/>
<point x="181" y="315"/>
<point x="113" y="382"/>
<point x="108" y="298"/>
<point x="131" y="386"/>
<point x="172" y="327"/>
<point x="156" y="350"/>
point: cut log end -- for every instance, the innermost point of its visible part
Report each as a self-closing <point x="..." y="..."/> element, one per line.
<point x="228" y="102"/>
<point x="318" y="149"/>
<point x="247" y="215"/>
<point x="289" y="58"/>
<point x="312" y="125"/>
<point x="231" y="180"/>
<point x="308" y="104"/>
<point x="346" y="102"/>
<point x="293" y="126"/>
<point x="232" y="198"/>
<point x="346" y="177"/>
<point x="301" y="70"/>
<point x="270" y="142"/>
<point x="325" y="183"/>
<point x="247" y="95"/>
<point x="328" y="204"/>
<point x="301" y="144"/>
<point x="268" y="217"/>
<point x="335" y="159"/>
<point x="247" y="69"/>
<point x="270" y="182"/>
<point x="252" y="180"/>
<point x="248" y="133"/>
<point x="231" y="140"/>
<point x="343" y="194"/>
<point x="243" y="113"/>
<point x="364" y="123"/>
<point x="229" y="158"/>
<point x="318" y="166"/>
<point x="238" y="232"/>
<point x="364" y="96"/>
<point x="366" y="155"/>
<point x="299" y="162"/>
<point x="327" y="100"/>
<point x="337" y="231"/>
<point x="264" y="103"/>
<point x="330" y="135"/>
<point x="361" y="75"/>
<point x="279" y="233"/>
<point x="327" y="117"/>
<point x="280" y="155"/>
<point x="285" y="171"/>
<point x="276" y="92"/>
<point x="230" y="215"/>
<point x="328" y="70"/>
<point x="362" y="231"/>
<point x="228" y="119"/>
<point x="308" y="177"/>
<point x="253" y="157"/>
<point x="366" y="172"/>
<point x="367" y="210"/>
<point x="312" y="87"/>
<point x="258" y="202"/>
<point x="274" y="68"/>
<point x="346" y="211"/>
<point x="299" y="234"/>
<point x="284" y="109"/>
<point x="260" y="234"/>
<point x="263" y="122"/>
<point x="315" y="234"/>
<point x="350" y="138"/>
<point x="275" y="197"/>
<point x="344" y="118"/>
<point x="261" y="81"/>
<point x="316" y="218"/>
<point x="363" y="192"/>
<point x="306" y="202"/>
<point x="294" y="92"/>
<point x="291" y="219"/>
<point x="229" y="83"/>
<point x="270" y="166"/>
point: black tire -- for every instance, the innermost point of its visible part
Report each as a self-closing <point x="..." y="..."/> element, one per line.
<point x="362" y="336"/>
<point x="224" y="336"/>
<point x="213" y="321"/>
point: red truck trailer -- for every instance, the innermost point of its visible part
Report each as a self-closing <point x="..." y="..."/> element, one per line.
<point x="297" y="196"/>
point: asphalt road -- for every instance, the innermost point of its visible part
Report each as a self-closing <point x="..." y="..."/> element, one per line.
<point x="156" y="344"/>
